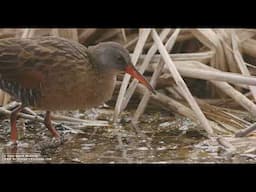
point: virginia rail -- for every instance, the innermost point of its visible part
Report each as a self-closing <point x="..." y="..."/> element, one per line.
<point x="53" y="73"/>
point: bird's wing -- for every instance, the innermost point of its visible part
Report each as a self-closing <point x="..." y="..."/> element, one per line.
<point x="27" y="61"/>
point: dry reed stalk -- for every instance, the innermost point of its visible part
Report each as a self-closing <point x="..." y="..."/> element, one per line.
<point x="249" y="47"/>
<point x="137" y="51"/>
<point x="66" y="33"/>
<point x="224" y="125"/>
<point x="4" y="98"/>
<point x="174" y="93"/>
<point x="11" y="105"/>
<point x="246" y="131"/>
<point x="237" y="96"/>
<point x="144" y="101"/>
<point x="196" y="72"/>
<point x="218" y="127"/>
<point x="86" y="34"/>
<point x="209" y="38"/>
<point x="240" y="62"/>
<point x="172" y="104"/>
<point x="244" y="34"/>
<point x="207" y="74"/>
<point x="236" y="118"/>
<point x="25" y="33"/>
<point x="108" y="35"/>
<point x="29" y="111"/>
<point x="200" y="56"/>
<point x="179" y="81"/>
<point x="85" y="122"/>
<point x="225" y="39"/>
<point x="203" y="57"/>
<point x="216" y="102"/>
<point x="131" y="42"/>
<point x="218" y="114"/>
<point x="123" y="35"/>
<point x="142" y="68"/>
<point x="185" y="36"/>
<point x="206" y="37"/>
<point x="72" y="119"/>
<point x="230" y="91"/>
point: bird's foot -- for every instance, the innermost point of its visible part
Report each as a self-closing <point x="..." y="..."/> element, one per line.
<point x="13" y="143"/>
<point x="12" y="147"/>
<point x="54" y="142"/>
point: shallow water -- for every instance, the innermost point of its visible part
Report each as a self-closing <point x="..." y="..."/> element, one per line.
<point x="158" y="138"/>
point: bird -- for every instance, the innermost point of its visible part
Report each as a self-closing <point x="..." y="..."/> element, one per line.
<point x="52" y="73"/>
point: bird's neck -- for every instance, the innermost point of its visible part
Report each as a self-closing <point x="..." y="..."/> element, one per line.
<point x="94" y="58"/>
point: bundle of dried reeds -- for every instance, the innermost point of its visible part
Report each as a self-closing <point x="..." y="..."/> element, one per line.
<point x="216" y="56"/>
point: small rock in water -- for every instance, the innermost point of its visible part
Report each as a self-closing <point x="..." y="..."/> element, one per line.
<point x="142" y="148"/>
<point x="161" y="148"/>
<point x="165" y="124"/>
<point x="183" y="128"/>
<point x="84" y="139"/>
<point x="77" y="160"/>
<point x="87" y="146"/>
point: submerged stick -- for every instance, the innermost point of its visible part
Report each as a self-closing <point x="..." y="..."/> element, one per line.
<point x="72" y="119"/>
<point x="36" y="117"/>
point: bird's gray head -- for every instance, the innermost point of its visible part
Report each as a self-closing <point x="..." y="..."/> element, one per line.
<point x="113" y="57"/>
<point x="110" y="56"/>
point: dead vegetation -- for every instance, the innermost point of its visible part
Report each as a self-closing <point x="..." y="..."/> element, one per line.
<point x="206" y="75"/>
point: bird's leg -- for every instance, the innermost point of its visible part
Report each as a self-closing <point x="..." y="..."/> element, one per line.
<point x="13" y="119"/>
<point x="48" y="125"/>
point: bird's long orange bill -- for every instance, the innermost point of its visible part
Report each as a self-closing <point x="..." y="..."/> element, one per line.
<point x="130" y="69"/>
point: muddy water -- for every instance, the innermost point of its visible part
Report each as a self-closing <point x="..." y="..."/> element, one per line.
<point x="160" y="137"/>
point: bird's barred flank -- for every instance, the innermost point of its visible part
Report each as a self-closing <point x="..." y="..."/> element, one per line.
<point x="27" y="96"/>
